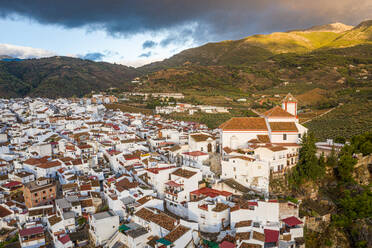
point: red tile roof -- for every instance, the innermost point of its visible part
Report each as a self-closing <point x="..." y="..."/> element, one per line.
<point x="277" y="112"/>
<point x="271" y="236"/>
<point x="131" y="157"/>
<point x="35" y="161"/>
<point x="4" y="212"/>
<point x="210" y="192"/>
<point x="173" y="184"/>
<point x="244" y="123"/>
<point x="64" y="239"/>
<point x="113" y="152"/>
<point x="12" y="184"/>
<point x="195" y="153"/>
<point x="283" y="126"/>
<point x="50" y="164"/>
<point x="276" y="148"/>
<point x="31" y="231"/>
<point x="226" y="244"/>
<point x="292" y="221"/>
<point x="184" y="173"/>
<point x="86" y="146"/>
<point x="85" y="187"/>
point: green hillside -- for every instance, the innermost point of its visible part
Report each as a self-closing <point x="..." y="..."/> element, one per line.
<point x="361" y="34"/>
<point x="335" y="73"/>
<point x="235" y="67"/>
<point x="60" y="77"/>
<point x="260" y="47"/>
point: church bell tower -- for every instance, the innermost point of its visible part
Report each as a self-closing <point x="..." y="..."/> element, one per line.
<point x="289" y="104"/>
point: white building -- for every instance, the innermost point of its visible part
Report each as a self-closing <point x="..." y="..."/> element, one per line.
<point x="210" y="209"/>
<point x="247" y="171"/>
<point x="32" y="237"/>
<point x="103" y="226"/>
<point x="177" y="192"/>
<point x="202" y="142"/>
<point x="279" y="125"/>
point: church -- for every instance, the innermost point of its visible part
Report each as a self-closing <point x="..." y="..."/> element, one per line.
<point x="253" y="148"/>
<point x="278" y="126"/>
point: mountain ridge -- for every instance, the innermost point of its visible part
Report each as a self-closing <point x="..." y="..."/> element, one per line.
<point x="60" y="76"/>
<point x="337" y="27"/>
<point x="259" y="47"/>
<point x="65" y="76"/>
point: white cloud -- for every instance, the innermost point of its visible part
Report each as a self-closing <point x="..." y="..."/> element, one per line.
<point x="23" y="52"/>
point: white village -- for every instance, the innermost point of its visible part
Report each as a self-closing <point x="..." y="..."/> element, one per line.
<point x="75" y="173"/>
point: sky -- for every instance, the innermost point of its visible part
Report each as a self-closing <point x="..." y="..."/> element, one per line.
<point x="137" y="32"/>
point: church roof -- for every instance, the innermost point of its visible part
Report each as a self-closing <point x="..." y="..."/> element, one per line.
<point x="289" y="98"/>
<point x="263" y="138"/>
<point x="277" y="112"/>
<point x="245" y="123"/>
<point x="283" y="126"/>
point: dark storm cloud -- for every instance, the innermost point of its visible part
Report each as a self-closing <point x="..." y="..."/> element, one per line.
<point x="149" y="44"/>
<point x="177" y="38"/>
<point x="210" y="19"/>
<point x="165" y="42"/>
<point x="93" y="56"/>
<point x="145" y="55"/>
<point x="98" y="56"/>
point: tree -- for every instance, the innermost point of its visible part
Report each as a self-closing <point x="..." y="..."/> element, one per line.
<point x="309" y="167"/>
<point x="366" y="148"/>
<point x="82" y="221"/>
<point x="332" y="159"/>
<point x="340" y="139"/>
<point x="322" y="161"/>
<point x="345" y="166"/>
<point x="362" y="143"/>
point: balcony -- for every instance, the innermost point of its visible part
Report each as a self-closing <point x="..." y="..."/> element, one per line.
<point x="173" y="193"/>
<point x="292" y="155"/>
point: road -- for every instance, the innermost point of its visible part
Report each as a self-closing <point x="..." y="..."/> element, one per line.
<point x="318" y="116"/>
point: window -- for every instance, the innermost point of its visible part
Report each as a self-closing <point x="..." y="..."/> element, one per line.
<point x="50" y="190"/>
<point x="234" y="169"/>
<point x="44" y="192"/>
<point x="299" y="136"/>
<point x="284" y="136"/>
<point x="201" y="148"/>
<point x="35" y="194"/>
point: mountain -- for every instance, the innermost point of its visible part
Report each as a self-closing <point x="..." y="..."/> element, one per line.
<point x="61" y="77"/>
<point x="325" y="69"/>
<point x="260" y="47"/>
<point x="5" y="57"/>
<point x="221" y="53"/>
<point x="361" y="34"/>
<point x="235" y="67"/>
<point x="328" y="67"/>
<point x="336" y="27"/>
